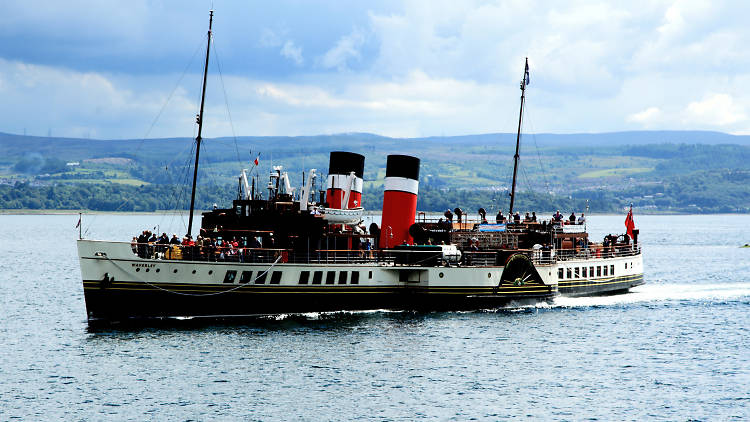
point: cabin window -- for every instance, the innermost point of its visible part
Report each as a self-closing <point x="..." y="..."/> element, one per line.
<point x="331" y="277"/>
<point x="578" y="272"/>
<point x="342" y="277"/>
<point x="369" y="275"/>
<point x="246" y="276"/>
<point x="604" y="270"/>
<point x="569" y="272"/>
<point x="583" y="272"/>
<point x="598" y="271"/>
<point x="230" y="276"/>
<point x="261" y="279"/>
<point x="626" y="265"/>
<point x="611" y="270"/>
<point x="317" y="277"/>
<point x="276" y="277"/>
<point x="560" y="273"/>
<point x="355" y="277"/>
<point x="304" y="276"/>
<point x="591" y="271"/>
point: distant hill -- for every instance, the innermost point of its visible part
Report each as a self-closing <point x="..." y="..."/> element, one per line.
<point x="666" y="170"/>
<point x="14" y="146"/>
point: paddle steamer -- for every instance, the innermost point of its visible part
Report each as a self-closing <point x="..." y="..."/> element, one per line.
<point x="282" y="251"/>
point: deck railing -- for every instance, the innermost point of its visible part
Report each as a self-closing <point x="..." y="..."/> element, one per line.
<point x="616" y="251"/>
<point x="389" y="257"/>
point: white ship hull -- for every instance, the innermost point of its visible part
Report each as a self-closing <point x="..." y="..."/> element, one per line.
<point x="120" y="285"/>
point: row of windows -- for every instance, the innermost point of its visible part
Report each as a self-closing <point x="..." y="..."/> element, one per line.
<point x="304" y="277"/>
<point x="585" y="272"/>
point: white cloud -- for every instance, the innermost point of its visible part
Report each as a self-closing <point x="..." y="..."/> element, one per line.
<point x="292" y="52"/>
<point x="715" y="109"/>
<point x="69" y="103"/>
<point x="269" y="38"/>
<point x="346" y="48"/>
<point x="415" y="68"/>
<point x="647" y="116"/>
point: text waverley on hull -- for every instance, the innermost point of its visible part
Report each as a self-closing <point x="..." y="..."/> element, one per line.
<point x="288" y="253"/>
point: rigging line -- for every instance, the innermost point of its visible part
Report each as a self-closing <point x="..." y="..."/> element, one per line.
<point x="212" y="176"/>
<point x="178" y="189"/>
<point x="172" y="181"/>
<point x="122" y="204"/>
<point x="154" y="121"/>
<point x="166" y="102"/>
<point x="186" y="176"/>
<point x="226" y="102"/>
<point x="203" y="294"/>
<point x="545" y="176"/>
<point x="171" y="94"/>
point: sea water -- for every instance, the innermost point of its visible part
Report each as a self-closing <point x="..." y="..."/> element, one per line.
<point x="677" y="348"/>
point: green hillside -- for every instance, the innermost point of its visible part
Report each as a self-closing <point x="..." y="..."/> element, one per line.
<point x="557" y="171"/>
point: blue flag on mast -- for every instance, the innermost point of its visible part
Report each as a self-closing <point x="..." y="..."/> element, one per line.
<point x="526" y="74"/>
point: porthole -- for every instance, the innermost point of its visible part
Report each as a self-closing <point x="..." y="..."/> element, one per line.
<point x="147" y="270"/>
<point x="210" y="272"/>
<point x="137" y="269"/>
<point x="489" y="275"/>
<point x="193" y="271"/>
<point x="175" y="271"/>
<point x="158" y="269"/>
<point x="441" y="275"/>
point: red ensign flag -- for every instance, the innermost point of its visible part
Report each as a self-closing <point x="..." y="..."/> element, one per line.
<point x="629" y="223"/>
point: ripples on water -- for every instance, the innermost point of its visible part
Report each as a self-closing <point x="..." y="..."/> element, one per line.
<point x="675" y="349"/>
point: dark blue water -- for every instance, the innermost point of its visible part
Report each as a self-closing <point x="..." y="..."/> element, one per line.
<point x="677" y="348"/>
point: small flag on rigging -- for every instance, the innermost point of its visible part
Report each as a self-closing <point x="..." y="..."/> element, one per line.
<point x="257" y="160"/>
<point x="79" y="221"/>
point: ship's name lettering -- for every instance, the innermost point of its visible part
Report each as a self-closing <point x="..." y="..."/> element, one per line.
<point x="143" y="265"/>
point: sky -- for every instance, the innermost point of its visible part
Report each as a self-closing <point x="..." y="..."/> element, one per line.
<point x="129" y="70"/>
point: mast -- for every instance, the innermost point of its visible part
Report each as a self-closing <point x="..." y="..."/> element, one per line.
<point x="200" y="125"/>
<point x="524" y="82"/>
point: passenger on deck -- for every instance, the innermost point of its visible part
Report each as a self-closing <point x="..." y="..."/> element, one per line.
<point x="175" y="240"/>
<point x="142" y="244"/>
<point x="517" y="217"/>
<point x="557" y="216"/>
<point x="527" y="218"/>
<point x="162" y="241"/>
<point x="533" y="216"/>
<point x="582" y="219"/>
<point x="448" y="215"/>
<point x="500" y="218"/>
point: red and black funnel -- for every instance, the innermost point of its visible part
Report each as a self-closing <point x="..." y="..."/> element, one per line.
<point x="399" y="200"/>
<point x="340" y="165"/>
